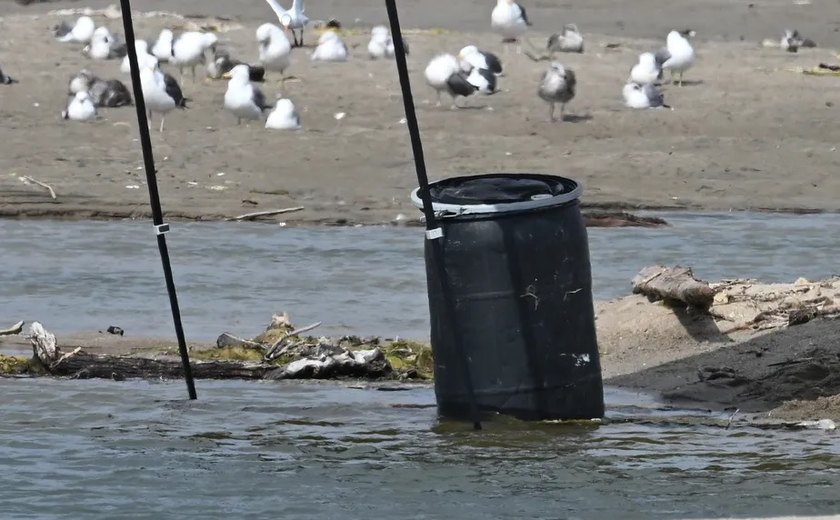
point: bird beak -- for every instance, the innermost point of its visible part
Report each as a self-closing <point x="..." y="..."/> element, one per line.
<point x="226" y="75"/>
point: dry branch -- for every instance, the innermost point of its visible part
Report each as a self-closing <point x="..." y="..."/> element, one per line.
<point x="276" y="350"/>
<point x="17" y="328"/>
<point x="257" y="214"/>
<point x="673" y="284"/>
<point x="41" y="184"/>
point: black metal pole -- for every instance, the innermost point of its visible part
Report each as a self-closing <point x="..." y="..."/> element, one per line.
<point x="154" y="197"/>
<point x="433" y="231"/>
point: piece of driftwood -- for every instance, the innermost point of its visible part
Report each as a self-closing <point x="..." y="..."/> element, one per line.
<point x="43" y="344"/>
<point x="257" y="214"/>
<point x="17" y="328"/>
<point x="41" y="184"/>
<point x="226" y="339"/>
<point x="674" y="285"/>
<point x="279" y="347"/>
<point x="83" y="365"/>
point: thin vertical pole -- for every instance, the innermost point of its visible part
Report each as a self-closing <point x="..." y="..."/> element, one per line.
<point x="433" y="232"/>
<point x="154" y="198"/>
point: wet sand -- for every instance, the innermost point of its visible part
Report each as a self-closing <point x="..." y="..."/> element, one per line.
<point x="745" y="133"/>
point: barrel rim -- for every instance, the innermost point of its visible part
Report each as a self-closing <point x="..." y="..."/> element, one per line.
<point x="446" y="210"/>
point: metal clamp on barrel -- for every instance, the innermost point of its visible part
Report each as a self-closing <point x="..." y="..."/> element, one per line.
<point x="161" y="229"/>
<point x="433" y="234"/>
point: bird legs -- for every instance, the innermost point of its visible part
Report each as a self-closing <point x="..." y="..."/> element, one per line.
<point x="162" y="119"/>
<point x="551" y="118"/>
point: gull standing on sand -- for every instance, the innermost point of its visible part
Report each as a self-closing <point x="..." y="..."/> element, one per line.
<point x="567" y="40"/>
<point x="284" y="116"/>
<point x="6" y="80"/>
<point x="161" y="93"/>
<point x="642" y="96"/>
<point x="647" y="70"/>
<point x="80" y="32"/>
<point x="104" y="45"/>
<point x="380" y="45"/>
<point x="444" y="73"/>
<point x="330" y="48"/>
<point x="80" y="108"/>
<point x="557" y="86"/>
<point x="221" y="63"/>
<point x="509" y="19"/>
<point x="677" y="56"/>
<point x="103" y="93"/>
<point x="480" y="60"/>
<point x="791" y="41"/>
<point x="291" y="19"/>
<point x="274" y="48"/>
<point x="162" y="49"/>
<point x="143" y="57"/>
<point x="188" y="50"/>
<point x="242" y="98"/>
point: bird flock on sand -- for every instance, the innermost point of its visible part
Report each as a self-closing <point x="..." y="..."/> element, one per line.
<point x="472" y="71"/>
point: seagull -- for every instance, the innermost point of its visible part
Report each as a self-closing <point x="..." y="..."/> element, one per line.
<point x="221" y="63"/>
<point x="509" y="19"/>
<point x="80" y="108"/>
<point x="80" y="32"/>
<point x="557" y="86"/>
<point x="104" y="45"/>
<point x="242" y="98"/>
<point x="483" y="80"/>
<point x="642" y="96"/>
<point x="791" y="41"/>
<point x="161" y="92"/>
<point x="291" y="19"/>
<point x="188" y="50"/>
<point x="677" y="56"/>
<point x="646" y="71"/>
<point x="275" y="49"/>
<point x="143" y="57"/>
<point x="444" y="73"/>
<point x="477" y="59"/>
<point x="567" y="40"/>
<point x="381" y="43"/>
<point x="103" y="93"/>
<point x="284" y="116"/>
<point x="6" y="80"/>
<point x="162" y="49"/>
<point x="330" y="48"/>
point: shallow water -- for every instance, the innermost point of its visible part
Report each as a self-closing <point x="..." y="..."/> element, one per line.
<point x="82" y="276"/>
<point x="100" y="449"/>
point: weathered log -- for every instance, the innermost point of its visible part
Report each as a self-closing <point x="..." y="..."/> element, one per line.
<point x="673" y="284"/>
<point x="83" y="365"/>
<point x="17" y="328"/>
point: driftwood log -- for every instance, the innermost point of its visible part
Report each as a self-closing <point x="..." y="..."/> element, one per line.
<point x="674" y="285"/>
<point x="82" y="365"/>
<point x="17" y="328"/>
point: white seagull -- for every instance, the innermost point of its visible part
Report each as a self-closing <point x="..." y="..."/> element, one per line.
<point x="143" y="57"/>
<point x="509" y="19"/>
<point x="80" y="32"/>
<point x="567" y="40"/>
<point x="677" y="56"/>
<point x="330" y="48"/>
<point x="275" y="49"/>
<point x="444" y="73"/>
<point x="103" y="93"/>
<point x="381" y="44"/>
<point x="284" y="116"/>
<point x="104" y="45"/>
<point x="161" y="93"/>
<point x="557" y="86"/>
<point x="242" y="98"/>
<point x="474" y="58"/>
<point x="647" y="70"/>
<point x="291" y="19"/>
<point x="642" y="96"/>
<point x="162" y="49"/>
<point x="80" y="108"/>
<point x="483" y="80"/>
<point x="188" y="50"/>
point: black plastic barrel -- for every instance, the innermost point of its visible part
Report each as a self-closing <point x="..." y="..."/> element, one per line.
<point x="516" y="255"/>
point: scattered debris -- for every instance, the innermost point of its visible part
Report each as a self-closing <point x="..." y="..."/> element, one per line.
<point x="257" y="214"/>
<point x="26" y="179"/>
<point x="674" y="285"/>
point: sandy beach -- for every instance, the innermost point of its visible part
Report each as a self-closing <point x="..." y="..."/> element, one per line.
<point x="734" y="140"/>
<point x="749" y="130"/>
